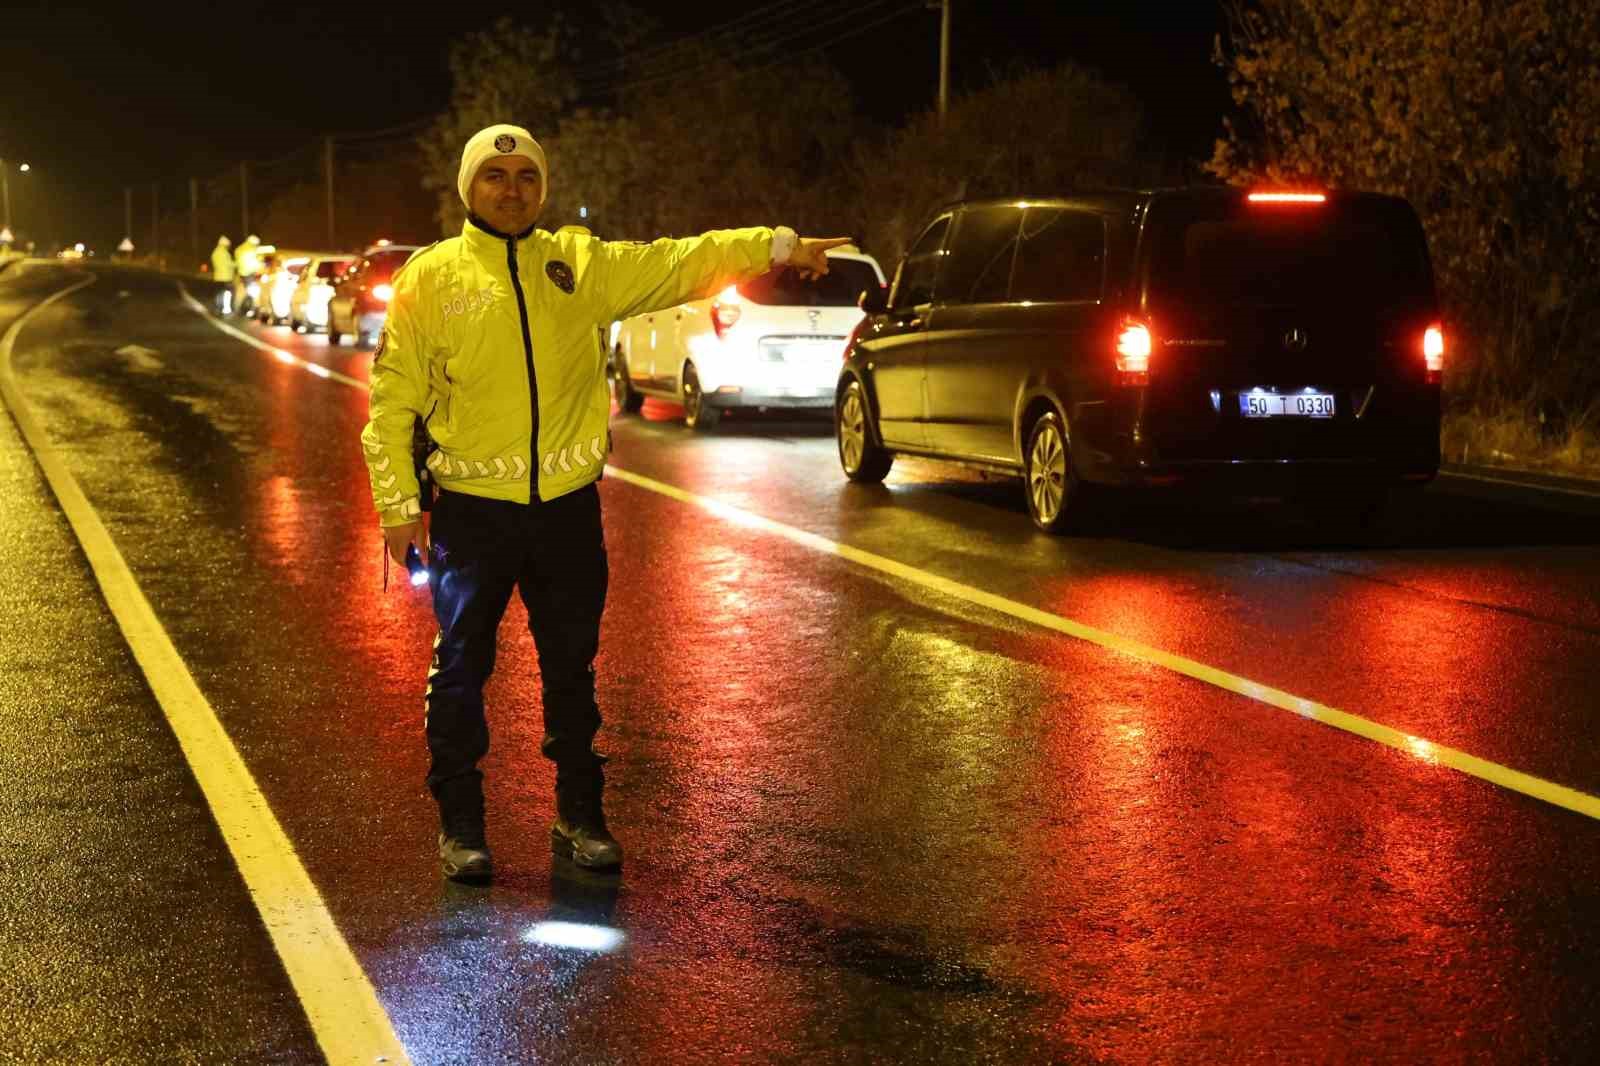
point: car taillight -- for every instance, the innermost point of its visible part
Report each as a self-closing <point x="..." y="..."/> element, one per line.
<point x="383" y="292"/>
<point x="1133" y="353"/>
<point x="1433" y="352"/>
<point x="725" y="310"/>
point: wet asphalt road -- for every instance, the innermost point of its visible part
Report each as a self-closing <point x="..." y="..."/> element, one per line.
<point x="866" y="822"/>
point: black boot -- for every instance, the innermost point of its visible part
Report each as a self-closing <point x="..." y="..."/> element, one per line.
<point x="579" y="832"/>
<point x="463" y="852"/>
<point x="461" y="861"/>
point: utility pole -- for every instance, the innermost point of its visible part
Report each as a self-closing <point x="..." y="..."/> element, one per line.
<point x="5" y="195"/>
<point x="127" y="211"/>
<point x="944" y="61"/>
<point x="194" y="218"/>
<point x="327" y="170"/>
<point x="155" y="220"/>
<point x="244" y="200"/>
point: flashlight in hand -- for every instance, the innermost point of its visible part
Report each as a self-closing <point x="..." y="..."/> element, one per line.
<point x="417" y="568"/>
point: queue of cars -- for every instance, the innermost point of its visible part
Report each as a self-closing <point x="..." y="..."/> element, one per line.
<point x="1282" y="343"/>
<point x="1272" y="343"/>
<point x="336" y="293"/>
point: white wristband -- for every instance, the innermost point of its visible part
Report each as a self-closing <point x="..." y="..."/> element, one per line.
<point x="784" y="242"/>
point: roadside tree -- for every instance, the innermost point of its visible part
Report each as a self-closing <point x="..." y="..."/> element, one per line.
<point x="1031" y="132"/>
<point x="1483" y="114"/>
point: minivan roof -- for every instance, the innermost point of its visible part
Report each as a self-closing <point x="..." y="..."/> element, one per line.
<point x="1114" y="199"/>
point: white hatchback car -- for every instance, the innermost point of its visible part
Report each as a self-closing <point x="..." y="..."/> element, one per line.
<point x="308" y="305"/>
<point x="776" y="341"/>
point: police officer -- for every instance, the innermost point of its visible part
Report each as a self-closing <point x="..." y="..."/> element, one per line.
<point x="489" y="341"/>
<point x="222" y="271"/>
<point x="246" y="265"/>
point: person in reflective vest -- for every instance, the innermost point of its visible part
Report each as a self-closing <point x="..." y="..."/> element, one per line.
<point x="489" y="342"/>
<point x="222" y="272"/>
<point x="247" y="265"/>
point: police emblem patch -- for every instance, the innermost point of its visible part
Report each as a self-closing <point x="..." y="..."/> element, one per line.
<point x="505" y="143"/>
<point x="377" y="353"/>
<point x="561" y="274"/>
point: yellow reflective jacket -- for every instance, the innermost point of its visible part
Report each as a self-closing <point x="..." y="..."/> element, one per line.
<point x="247" y="260"/>
<point x="469" y="319"/>
<point x="221" y="263"/>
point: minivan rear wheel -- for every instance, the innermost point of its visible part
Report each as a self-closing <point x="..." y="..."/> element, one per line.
<point x="1052" y="489"/>
<point x="860" y="456"/>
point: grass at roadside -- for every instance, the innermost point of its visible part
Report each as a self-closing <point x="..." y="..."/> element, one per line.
<point x="1516" y="438"/>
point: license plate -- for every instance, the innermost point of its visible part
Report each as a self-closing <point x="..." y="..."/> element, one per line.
<point x="803" y="350"/>
<point x="1286" y="405"/>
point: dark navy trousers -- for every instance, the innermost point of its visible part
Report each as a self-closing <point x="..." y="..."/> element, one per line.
<point x="554" y="555"/>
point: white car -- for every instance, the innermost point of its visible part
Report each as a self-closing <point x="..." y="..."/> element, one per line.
<point x="279" y="276"/>
<point x="308" y="304"/>
<point x="775" y="341"/>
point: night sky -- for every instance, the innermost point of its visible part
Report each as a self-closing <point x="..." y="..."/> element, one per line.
<point x="98" y="97"/>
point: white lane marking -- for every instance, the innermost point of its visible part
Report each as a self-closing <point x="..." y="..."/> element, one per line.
<point x="350" y="1023"/>
<point x="140" y="357"/>
<point x="279" y="354"/>
<point x="1515" y="780"/>
<point x="1531" y="486"/>
<point x="1504" y="776"/>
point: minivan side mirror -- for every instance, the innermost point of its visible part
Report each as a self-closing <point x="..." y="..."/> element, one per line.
<point x="874" y="301"/>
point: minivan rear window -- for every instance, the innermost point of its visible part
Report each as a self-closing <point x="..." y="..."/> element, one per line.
<point x="841" y="286"/>
<point x="1365" y="254"/>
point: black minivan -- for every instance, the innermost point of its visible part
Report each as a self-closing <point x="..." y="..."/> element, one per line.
<point x="1244" y="343"/>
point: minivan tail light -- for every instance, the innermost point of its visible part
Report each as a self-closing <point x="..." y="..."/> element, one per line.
<point x="725" y="310"/>
<point x="1133" y="353"/>
<point x="1433" y="352"/>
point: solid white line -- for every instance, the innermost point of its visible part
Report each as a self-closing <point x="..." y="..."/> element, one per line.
<point x="1531" y="486"/>
<point x="1515" y="780"/>
<point x="1426" y="750"/>
<point x="350" y="1023"/>
<point x="279" y="354"/>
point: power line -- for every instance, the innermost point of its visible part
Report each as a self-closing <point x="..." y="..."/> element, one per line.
<point x="771" y="43"/>
<point x="651" y="54"/>
<point x="389" y="133"/>
<point x="751" y="41"/>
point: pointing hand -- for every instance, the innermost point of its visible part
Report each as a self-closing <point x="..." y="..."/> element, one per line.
<point x="810" y="255"/>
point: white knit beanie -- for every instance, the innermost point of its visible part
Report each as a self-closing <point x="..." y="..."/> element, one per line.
<point x="495" y="141"/>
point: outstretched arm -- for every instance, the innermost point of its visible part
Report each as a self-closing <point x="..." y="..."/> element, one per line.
<point x="639" y="278"/>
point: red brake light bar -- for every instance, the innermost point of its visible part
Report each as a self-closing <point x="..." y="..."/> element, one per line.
<point x="1287" y="198"/>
